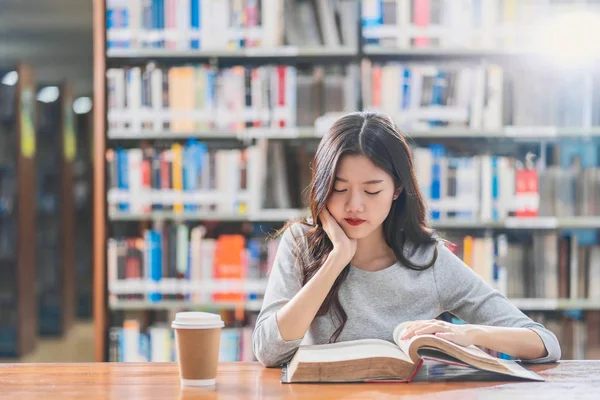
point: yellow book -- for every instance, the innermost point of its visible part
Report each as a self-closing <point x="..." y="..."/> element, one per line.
<point x="468" y="251"/>
<point x="177" y="176"/>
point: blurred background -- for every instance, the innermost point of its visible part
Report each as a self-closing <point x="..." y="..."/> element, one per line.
<point x="149" y="148"/>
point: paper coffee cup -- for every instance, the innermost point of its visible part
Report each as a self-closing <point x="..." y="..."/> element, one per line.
<point x="197" y="337"/>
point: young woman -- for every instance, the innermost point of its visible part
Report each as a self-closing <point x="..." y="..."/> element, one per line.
<point x="371" y="262"/>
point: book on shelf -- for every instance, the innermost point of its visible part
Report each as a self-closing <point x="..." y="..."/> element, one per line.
<point x="577" y="332"/>
<point x="541" y="265"/>
<point x="497" y="188"/>
<point x="180" y="178"/>
<point x="136" y="341"/>
<point x="483" y="96"/>
<point x="460" y="24"/>
<point x="157" y="98"/>
<point x="374" y="359"/>
<point x="191" y="178"/>
<point x="176" y="262"/>
<point x="425" y="96"/>
<point x="227" y="25"/>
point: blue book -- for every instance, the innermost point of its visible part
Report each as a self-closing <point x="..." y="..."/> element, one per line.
<point x="154" y="259"/>
<point x="372" y="16"/>
<point x="193" y="158"/>
<point x="437" y="151"/>
<point x="155" y="9"/>
<point x="495" y="189"/>
<point x="406" y="88"/>
<point x="122" y="175"/>
<point x="110" y="22"/>
<point x="437" y="95"/>
<point x="124" y="13"/>
<point x="160" y="23"/>
<point x="195" y="21"/>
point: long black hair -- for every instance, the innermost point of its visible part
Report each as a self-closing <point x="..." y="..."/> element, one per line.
<point x="374" y="136"/>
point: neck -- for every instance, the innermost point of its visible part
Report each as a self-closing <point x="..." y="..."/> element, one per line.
<point x="372" y="247"/>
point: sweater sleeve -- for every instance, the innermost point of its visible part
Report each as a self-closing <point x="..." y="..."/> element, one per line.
<point x="285" y="280"/>
<point x="466" y="295"/>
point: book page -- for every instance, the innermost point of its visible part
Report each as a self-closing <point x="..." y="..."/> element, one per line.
<point x="351" y="350"/>
<point x="442" y="350"/>
<point x="436" y="343"/>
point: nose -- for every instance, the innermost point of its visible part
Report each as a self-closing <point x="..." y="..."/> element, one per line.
<point x="354" y="202"/>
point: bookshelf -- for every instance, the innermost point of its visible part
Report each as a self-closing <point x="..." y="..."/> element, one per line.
<point x="55" y="233"/>
<point x="84" y="231"/>
<point x="433" y="126"/>
<point x="19" y="318"/>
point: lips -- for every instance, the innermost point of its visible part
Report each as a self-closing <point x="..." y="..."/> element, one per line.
<point x="354" y="221"/>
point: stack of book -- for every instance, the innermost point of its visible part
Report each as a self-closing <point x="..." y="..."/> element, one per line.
<point x="204" y="98"/>
<point x="138" y="342"/>
<point x="174" y="262"/>
<point x="230" y="24"/>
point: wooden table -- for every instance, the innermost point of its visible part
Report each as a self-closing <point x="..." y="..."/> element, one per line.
<point x="564" y="380"/>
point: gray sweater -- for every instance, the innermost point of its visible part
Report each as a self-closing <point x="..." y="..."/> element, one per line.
<point x="376" y="302"/>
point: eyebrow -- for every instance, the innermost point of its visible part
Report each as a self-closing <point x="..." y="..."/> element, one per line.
<point x="371" y="182"/>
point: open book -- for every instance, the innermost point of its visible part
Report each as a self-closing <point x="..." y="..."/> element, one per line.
<point x="375" y="359"/>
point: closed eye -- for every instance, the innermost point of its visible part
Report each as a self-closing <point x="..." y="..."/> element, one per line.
<point x="374" y="193"/>
<point x="339" y="191"/>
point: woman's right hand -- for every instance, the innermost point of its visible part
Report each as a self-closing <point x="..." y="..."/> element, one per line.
<point x="343" y="246"/>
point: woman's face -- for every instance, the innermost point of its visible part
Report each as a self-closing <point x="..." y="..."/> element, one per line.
<point x="362" y="196"/>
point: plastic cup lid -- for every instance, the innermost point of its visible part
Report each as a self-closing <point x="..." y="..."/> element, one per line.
<point x="198" y="320"/>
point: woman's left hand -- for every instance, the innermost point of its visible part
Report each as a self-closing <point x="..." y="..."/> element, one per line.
<point x="463" y="335"/>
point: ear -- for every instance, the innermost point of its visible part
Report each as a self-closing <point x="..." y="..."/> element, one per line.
<point x="397" y="192"/>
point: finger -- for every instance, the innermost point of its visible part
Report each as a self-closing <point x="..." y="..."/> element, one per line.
<point x="419" y="325"/>
<point x="432" y="329"/>
<point x="325" y="216"/>
<point x="410" y="330"/>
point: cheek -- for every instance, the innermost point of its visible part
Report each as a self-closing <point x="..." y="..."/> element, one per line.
<point x="382" y="206"/>
<point x="335" y="206"/>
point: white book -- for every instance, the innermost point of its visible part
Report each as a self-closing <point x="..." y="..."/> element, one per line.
<point x="492" y="112"/>
<point x="135" y="23"/>
<point x="403" y="16"/>
<point x="196" y="238"/>
<point x="351" y="88"/>
<point x="366" y="83"/>
<point x="327" y="23"/>
<point x="183" y="24"/>
<point x="157" y="99"/>
<point x="257" y="94"/>
<point x="489" y="19"/>
<point x="257" y="173"/>
<point x="506" y="183"/>
<point x="477" y="98"/>
<point x="134" y="97"/>
<point x="574" y="272"/>
<point x="390" y="89"/>
<point x="423" y="161"/>
<point x="272" y="23"/>
<point x="182" y="248"/>
<point x="290" y="96"/>
<point x="160" y="341"/>
<point x="208" y="252"/>
<point x="416" y="87"/>
<point x="220" y="32"/>
<point x="131" y="341"/>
